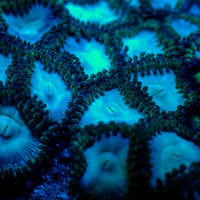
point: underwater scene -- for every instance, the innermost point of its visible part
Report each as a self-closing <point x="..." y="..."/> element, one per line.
<point x="100" y="99"/>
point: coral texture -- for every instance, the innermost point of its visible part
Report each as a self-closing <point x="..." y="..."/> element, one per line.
<point x="99" y="99"/>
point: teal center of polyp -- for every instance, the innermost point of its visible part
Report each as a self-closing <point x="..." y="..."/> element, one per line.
<point x="108" y="161"/>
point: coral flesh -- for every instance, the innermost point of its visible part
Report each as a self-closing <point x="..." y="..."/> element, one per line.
<point x="99" y="99"/>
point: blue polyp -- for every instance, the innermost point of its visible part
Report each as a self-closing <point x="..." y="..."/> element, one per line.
<point x="194" y="10"/>
<point x="161" y="4"/>
<point x="32" y="25"/>
<point x="51" y="89"/>
<point x="99" y="12"/>
<point x="197" y="54"/>
<point x="183" y="28"/>
<point x="91" y="54"/>
<point x="105" y="175"/>
<point x="163" y="90"/>
<point x="16" y="141"/>
<point x="145" y="41"/>
<point x="4" y="62"/>
<point x="168" y="152"/>
<point x="134" y="3"/>
<point x="110" y="107"/>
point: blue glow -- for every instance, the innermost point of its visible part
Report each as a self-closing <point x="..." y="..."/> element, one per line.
<point x="51" y="89"/>
<point x="91" y="54"/>
<point x="162" y="88"/>
<point x="32" y="25"/>
<point x="110" y="107"/>
<point x="4" y="62"/>
<point x="99" y="12"/>
<point x="134" y="3"/>
<point x="105" y="175"/>
<point x="169" y="151"/>
<point x="195" y="10"/>
<point x="183" y="28"/>
<point x="144" y="41"/>
<point x="161" y="4"/>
